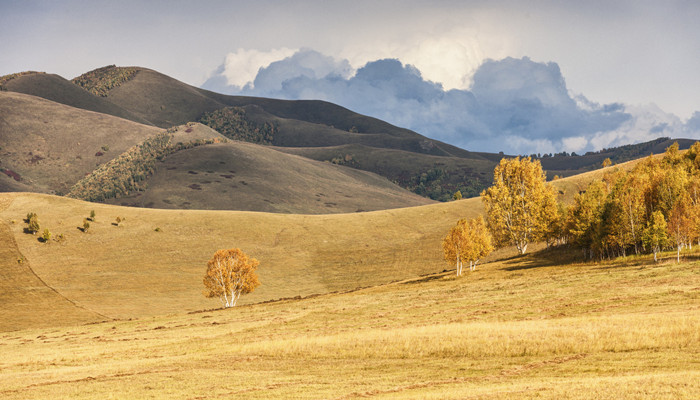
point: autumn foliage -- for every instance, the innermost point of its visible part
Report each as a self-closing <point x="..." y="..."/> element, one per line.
<point x="468" y="241"/>
<point x="230" y="273"/>
<point x="520" y="206"/>
<point x="652" y="207"/>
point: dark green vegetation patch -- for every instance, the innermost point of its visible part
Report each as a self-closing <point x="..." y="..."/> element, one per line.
<point x="128" y="172"/>
<point x="233" y="123"/>
<point x="100" y="81"/>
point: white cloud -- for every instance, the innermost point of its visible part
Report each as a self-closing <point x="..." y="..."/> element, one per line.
<point x="242" y="66"/>
<point x="518" y="106"/>
<point x="574" y="144"/>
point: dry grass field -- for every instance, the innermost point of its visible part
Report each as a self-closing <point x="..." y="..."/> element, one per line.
<point x="366" y="310"/>
<point x="132" y="270"/>
<point x="522" y="327"/>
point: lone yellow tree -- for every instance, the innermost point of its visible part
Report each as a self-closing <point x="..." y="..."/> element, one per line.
<point x="468" y="241"/>
<point x="230" y="273"/>
<point x="520" y="205"/>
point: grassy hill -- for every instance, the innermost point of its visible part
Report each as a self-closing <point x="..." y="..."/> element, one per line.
<point x="135" y="264"/>
<point x="525" y="327"/>
<point x="55" y="88"/>
<point x="47" y="146"/>
<point x="51" y="154"/>
<point x="136" y="267"/>
<point x="244" y="176"/>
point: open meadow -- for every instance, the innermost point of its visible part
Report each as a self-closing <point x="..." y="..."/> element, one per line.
<point x="523" y="327"/>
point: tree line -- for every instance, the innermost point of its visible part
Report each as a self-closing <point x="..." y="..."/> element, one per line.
<point x="652" y="207"/>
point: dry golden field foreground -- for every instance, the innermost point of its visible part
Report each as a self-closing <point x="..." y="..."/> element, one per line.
<point x="153" y="262"/>
<point x="523" y="327"/>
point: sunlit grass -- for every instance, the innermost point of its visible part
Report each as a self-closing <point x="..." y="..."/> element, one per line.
<point x="517" y="328"/>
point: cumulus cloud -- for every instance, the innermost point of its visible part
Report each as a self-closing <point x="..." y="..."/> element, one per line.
<point x="518" y="106"/>
<point x="241" y="67"/>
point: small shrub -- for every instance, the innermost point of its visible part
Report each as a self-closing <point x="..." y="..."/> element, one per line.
<point x="33" y="224"/>
<point x="86" y="225"/>
<point x="92" y="216"/>
<point x="158" y="229"/>
<point x="46" y="236"/>
<point x="59" y="238"/>
<point x="105" y="148"/>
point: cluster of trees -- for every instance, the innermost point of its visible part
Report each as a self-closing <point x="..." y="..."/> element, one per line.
<point x="100" y="81"/>
<point x="520" y="208"/>
<point x="33" y="227"/>
<point x="467" y="242"/>
<point x="654" y="206"/>
<point x="441" y="183"/>
<point x="128" y="172"/>
<point x="233" y="123"/>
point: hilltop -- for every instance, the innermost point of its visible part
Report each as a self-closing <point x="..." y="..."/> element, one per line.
<point x="67" y="145"/>
<point x="313" y="129"/>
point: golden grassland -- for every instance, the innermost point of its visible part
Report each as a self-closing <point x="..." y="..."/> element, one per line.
<point x="104" y="314"/>
<point x="132" y="270"/>
<point x="523" y="327"/>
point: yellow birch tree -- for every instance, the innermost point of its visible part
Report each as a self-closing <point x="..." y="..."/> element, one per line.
<point x="230" y="273"/>
<point x="468" y="241"/>
<point x="520" y="205"/>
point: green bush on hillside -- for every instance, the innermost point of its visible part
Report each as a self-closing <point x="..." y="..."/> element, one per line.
<point x="233" y="123"/>
<point x="101" y="80"/>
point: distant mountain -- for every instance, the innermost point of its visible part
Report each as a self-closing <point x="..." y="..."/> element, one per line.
<point x="50" y="147"/>
<point x="55" y="88"/>
<point x="314" y="129"/>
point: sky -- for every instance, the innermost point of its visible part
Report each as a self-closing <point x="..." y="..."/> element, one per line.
<point x="513" y="76"/>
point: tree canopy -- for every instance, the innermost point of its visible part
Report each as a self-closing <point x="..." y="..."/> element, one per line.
<point x="230" y="273"/>
<point x="520" y="206"/>
<point x="468" y="241"/>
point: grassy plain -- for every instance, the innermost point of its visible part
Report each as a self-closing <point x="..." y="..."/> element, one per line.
<point x="523" y="327"/>
<point x="132" y="270"/>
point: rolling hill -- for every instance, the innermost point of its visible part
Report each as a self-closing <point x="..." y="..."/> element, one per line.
<point x="48" y="146"/>
<point x="135" y="265"/>
<point x="53" y="153"/>
<point x="245" y="176"/>
<point x="313" y="129"/>
<point x="147" y="272"/>
<point x="60" y="90"/>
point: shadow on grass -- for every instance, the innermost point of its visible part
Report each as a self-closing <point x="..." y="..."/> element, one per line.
<point x="550" y="257"/>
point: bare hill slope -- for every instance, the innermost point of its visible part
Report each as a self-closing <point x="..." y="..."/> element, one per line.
<point x="49" y="146"/>
<point x="60" y="90"/>
<point x="245" y="176"/>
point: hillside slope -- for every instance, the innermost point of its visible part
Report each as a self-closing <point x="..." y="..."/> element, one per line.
<point x="133" y="270"/>
<point x="245" y="176"/>
<point x="135" y="266"/>
<point x="49" y="146"/>
<point x="60" y="90"/>
<point x="524" y="327"/>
